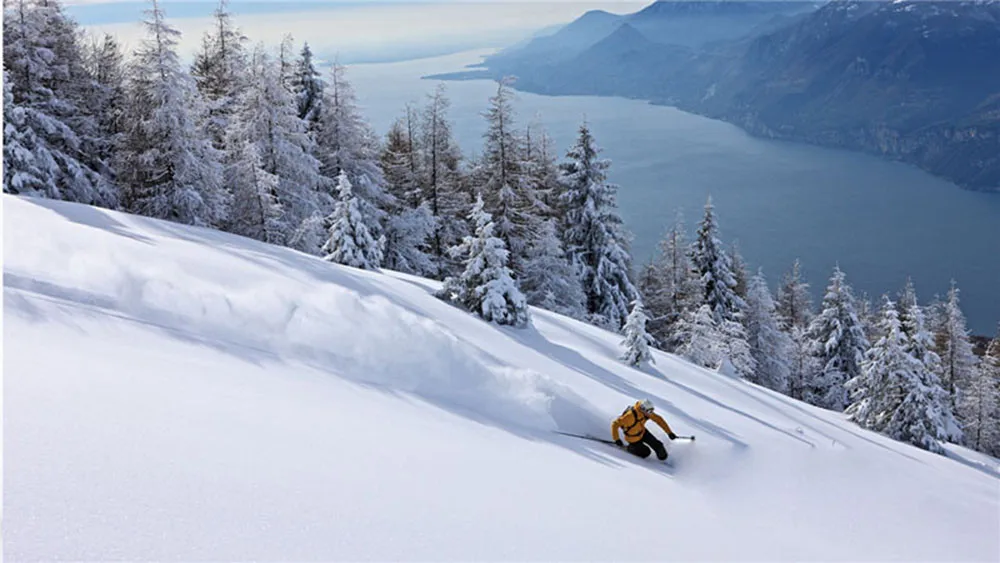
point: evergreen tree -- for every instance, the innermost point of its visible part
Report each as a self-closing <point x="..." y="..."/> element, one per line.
<point x="542" y="170"/>
<point x="410" y="223"/>
<point x="714" y="268"/>
<point x="400" y="161"/>
<point x="550" y="281"/>
<point x="710" y="260"/>
<point x="980" y="405"/>
<point x="406" y="234"/>
<point x="351" y="242"/>
<point x="309" y="88"/>
<point x="486" y="286"/>
<point x="769" y="346"/>
<point x="952" y="344"/>
<point x="503" y="178"/>
<point x="675" y="291"/>
<point x="441" y="181"/>
<point x="738" y="359"/>
<point x="651" y="287"/>
<point x="28" y="166"/>
<point x="52" y="104"/>
<point x="802" y="364"/>
<point x="219" y="71"/>
<point x="593" y="234"/>
<point x="838" y="345"/>
<point x="794" y="312"/>
<point x="167" y="164"/>
<point x="280" y="161"/>
<point x="346" y="143"/>
<point x="892" y="396"/>
<point x="286" y="63"/>
<point x="919" y="344"/>
<point x="105" y="99"/>
<point x="740" y="274"/>
<point x="869" y="317"/>
<point x="794" y="305"/>
<point x="637" y="340"/>
<point x="256" y="212"/>
<point x="699" y="338"/>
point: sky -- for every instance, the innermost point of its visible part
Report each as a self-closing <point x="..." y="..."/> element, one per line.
<point x="353" y="31"/>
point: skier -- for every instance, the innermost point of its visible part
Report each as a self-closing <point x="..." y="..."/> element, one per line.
<point x="633" y="424"/>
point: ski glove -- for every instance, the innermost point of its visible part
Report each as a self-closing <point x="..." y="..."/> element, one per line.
<point x="619" y="443"/>
<point x="672" y="436"/>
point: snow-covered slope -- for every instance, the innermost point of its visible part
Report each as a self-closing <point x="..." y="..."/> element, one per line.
<point x="178" y="393"/>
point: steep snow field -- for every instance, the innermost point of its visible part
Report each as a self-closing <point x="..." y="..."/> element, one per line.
<point x="175" y="393"/>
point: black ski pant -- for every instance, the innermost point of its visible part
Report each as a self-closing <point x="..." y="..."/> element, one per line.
<point x="641" y="448"/>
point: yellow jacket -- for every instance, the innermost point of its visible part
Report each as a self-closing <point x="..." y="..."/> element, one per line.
<point x="633" y="424"/>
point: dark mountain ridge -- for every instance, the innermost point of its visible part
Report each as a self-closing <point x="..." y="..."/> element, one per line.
<point x="914" y="81"/>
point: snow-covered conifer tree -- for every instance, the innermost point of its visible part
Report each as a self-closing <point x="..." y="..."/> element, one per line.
<point x="410" y="223"/>
<point x="167" y="164"/>
<point x="286" y="62"/>
<point x="406" y="234"/>
<point x="769" y="346"/>
<point x="637" y="340"/>
<point x="441" y="182"/>
<point x="542" y="170"/>
<point x="801" y="362"/>
<point x="710" y="260"/>
<point x="53" y="104"/>
<point x="651" y="287"/>
<point x="28" y="166"/>
<point x="351" y="242"/>
<point x="740" y="273"/>
<point x="593" y="234"/>
<point x="401" y="161"/>
<point x="549" y="280"/>
<point x="309" y="88"/>
<point x="486" y="286"/>
<point x="952" y="344"/>
<point x="346" y="143"/>
<point x="838" y="345"/>
<point x="105" y="63"/>
<point x="256" y="212"/>
<point x="282" y="155"/>
<point x="795" y="311"/>
<point x="891" y="396"/>
<point x="502" y="176"/>
<point x="220" y="72"/>
<point x="980" y="404"/>
<point x="794" y="305"/>
<point x="699" y="338"/>
<point x="713" y="265"/>
<point x="677" y="290"/>
<point x="919" y="344"/>
<point x="738" y="359"/>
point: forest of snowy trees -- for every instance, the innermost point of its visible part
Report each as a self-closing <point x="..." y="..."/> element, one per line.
<point x="258" y="141"/>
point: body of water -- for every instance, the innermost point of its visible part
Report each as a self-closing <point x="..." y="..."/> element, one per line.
<point x="881" y="221"/>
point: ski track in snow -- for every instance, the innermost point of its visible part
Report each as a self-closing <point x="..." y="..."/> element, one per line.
<point x="179" y="393"/>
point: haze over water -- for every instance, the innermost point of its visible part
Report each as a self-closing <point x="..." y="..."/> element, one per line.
<point x="881" y="221"/>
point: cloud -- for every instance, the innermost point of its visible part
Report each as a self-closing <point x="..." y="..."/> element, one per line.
<point x="358" y="28"/>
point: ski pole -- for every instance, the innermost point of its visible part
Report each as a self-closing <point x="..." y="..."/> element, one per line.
<point x="686" y="438"/>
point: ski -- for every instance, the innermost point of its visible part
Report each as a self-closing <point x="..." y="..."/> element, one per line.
<point x="587" y="437"/>
<point x="609" y="442"/>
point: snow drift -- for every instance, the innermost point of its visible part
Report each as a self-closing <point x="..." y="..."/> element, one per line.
<point x="179" y="393"/>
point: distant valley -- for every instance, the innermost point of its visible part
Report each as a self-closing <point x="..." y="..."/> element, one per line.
<point x="912" y="81"/>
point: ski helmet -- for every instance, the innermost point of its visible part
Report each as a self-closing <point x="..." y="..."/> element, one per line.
<point x="646" y="406"/>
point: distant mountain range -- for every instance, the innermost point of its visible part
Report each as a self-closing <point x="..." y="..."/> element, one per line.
<point x="916" y="81"/>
